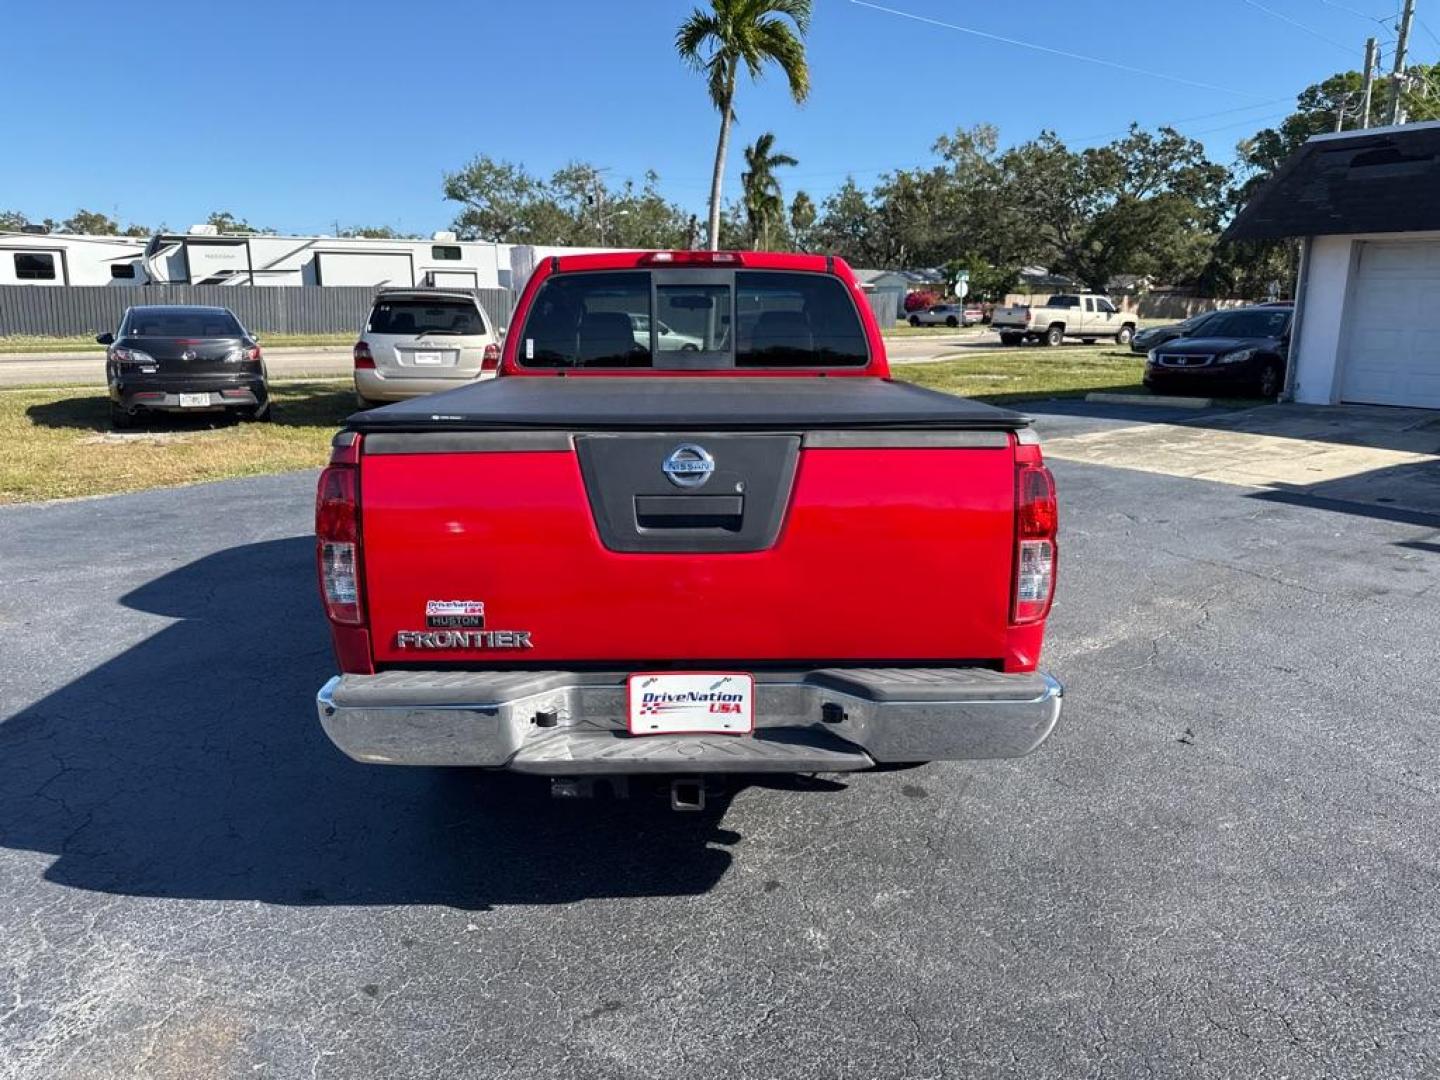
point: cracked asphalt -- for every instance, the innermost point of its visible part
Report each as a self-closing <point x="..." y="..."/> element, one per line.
<point x="1223" y="865"/>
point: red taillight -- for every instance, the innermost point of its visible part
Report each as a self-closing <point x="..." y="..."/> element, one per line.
<point x="363" y="357"/>
<point x="337" y="542"/>
<point x="491" y="360"/>
<point x="252" y="353"/>
<point x="692" y="258"/>
<point x="1037" y="519"/>
<point x="235" y="393"/>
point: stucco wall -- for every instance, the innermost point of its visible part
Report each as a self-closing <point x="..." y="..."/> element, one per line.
<point x="1314" y="355"/>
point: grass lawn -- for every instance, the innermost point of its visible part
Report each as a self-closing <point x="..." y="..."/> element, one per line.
<point x="58" y="442"/>
<point x="906" y="330"/>
<point x="34" y="344"/>
<point x="1023" y="374"/>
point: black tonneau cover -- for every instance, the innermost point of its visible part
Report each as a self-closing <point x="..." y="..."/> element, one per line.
<point x="627" y="403"/>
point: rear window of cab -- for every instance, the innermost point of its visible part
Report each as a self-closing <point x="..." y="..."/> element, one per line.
<point x="692" y="319"/>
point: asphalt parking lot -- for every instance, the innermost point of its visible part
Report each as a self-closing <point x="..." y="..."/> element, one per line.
<point x="1223" y="865"/>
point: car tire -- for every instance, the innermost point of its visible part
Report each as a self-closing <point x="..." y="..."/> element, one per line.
<point x="1055" y="336"/>
<point x="263" y="415"/>
<point x="120" y="420"/>
<point x="1271" y="381"/>
<point x="915" y="321"/>
<point x="363" y="403"/>
<point x="1125" y="336"/>
<point x="687" y="347"/>
<point x="952" y="322"/>
<point x="1013" y="340"/>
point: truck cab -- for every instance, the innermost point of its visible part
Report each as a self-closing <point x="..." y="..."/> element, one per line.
<point x="736" y="547"/>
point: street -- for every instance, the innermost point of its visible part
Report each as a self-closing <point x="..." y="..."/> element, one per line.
<point x="1222" y="865"/>
<point x="88" y="369"/>
<point x="334" y="362"/>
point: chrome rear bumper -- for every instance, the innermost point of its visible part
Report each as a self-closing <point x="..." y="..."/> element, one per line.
<point x="569" y="723"/>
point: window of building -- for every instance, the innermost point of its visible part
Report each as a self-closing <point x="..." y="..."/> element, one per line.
<point x="446" y="252"/>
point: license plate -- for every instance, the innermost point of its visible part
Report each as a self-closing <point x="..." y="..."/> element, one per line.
<point x="691" y="703"/>
<point x="191" y="401"/>
<point x="428" y="359"/>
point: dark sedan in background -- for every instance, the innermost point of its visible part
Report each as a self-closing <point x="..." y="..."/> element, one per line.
<point x="174" y="359"/>
<point x="1147" y="339"/>
<point x="1241" y="352"/>
<point x="1155" y="336"/>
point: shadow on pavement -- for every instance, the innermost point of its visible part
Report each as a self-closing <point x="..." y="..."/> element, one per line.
<point x="192" y="765"/>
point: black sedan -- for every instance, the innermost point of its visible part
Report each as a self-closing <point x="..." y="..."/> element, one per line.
<point x="1241" y="351"/>
<point x="193" y="360"/>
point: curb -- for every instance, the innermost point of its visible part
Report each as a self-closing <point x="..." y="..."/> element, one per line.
<point x="1148" y="399"/>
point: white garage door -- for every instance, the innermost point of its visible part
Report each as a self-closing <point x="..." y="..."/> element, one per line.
<point x="1392" y="341"/>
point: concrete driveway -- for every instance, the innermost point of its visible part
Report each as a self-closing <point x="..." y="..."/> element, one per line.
<point x="1223" y="865"/>
<point x="1384" y="458"/>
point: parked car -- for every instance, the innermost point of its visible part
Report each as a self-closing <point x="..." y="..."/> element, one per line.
<point x="944" y="315"/>
<point x="662" y="583"/>
<point x="169" y="358"/>
<point x="1150" y="337"/>
<point x="669" y="339"/>
<point x="1154" y="336"/>
<point x="421" y="341"/>
<point x="1238" y="351"/>
<point x="1087" y="316"/>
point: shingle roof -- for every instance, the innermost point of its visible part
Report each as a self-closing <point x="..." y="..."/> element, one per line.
<point x="1384" y="180"/>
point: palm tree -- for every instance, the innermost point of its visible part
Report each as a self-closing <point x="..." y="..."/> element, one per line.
<point x="764" y="203"/>
<point x="749" y="32"/>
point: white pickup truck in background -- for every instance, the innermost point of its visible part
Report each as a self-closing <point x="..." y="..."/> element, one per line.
<point x="1087" y="316"/>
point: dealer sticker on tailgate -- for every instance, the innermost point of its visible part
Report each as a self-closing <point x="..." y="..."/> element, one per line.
<point x="690" y="703"/>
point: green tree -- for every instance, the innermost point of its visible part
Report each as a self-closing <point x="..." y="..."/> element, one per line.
<point x="226" y="222"/>
<point x="90" y="223"/>
<point x="1148" y="203"/>
<point x="847" y="225"/>
<point x="802" y="220"/>
<point x="754" y="33"/>
<point x="12" y="221"/>
<point x="503" y="202"/>
<point x="374" y="232"/>
<point x="763" y="199"/>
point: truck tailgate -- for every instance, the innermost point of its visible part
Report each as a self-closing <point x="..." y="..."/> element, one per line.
<point x="548" y="508"/>
<point x="881" y="553"/>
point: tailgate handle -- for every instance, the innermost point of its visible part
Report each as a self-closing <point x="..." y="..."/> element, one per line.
<point x="711" y="512"/>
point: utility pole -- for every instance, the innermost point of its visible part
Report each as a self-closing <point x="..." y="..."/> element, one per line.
<point x="1397" y="89"/>
<point x="1368" y="94"/>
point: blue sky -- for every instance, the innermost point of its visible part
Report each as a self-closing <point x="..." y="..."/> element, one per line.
<point x="298" y="114"/>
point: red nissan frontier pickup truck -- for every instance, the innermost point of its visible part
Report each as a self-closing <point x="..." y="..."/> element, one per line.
<point x="692" y="528"/>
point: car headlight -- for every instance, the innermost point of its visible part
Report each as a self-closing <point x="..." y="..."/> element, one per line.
<point x="1150" y="358"/>
<point x="1239" y="356"/>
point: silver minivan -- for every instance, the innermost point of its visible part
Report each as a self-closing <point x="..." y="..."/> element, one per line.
<point x="420" y="341"/>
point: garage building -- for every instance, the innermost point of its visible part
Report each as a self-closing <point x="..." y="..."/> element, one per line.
<point x="1366" y="208"/>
